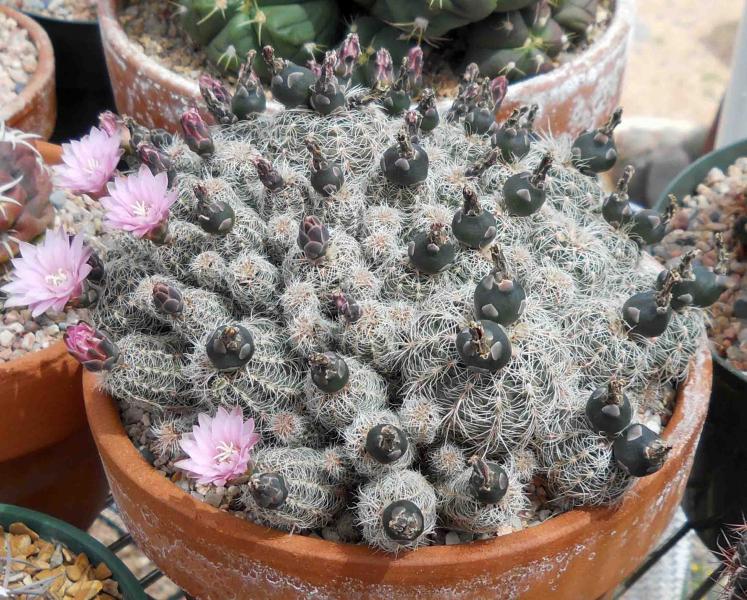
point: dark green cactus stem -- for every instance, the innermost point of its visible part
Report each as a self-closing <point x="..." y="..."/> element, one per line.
<point x="524" y="193"/>
<point x="466" y="95"/>
<point x="639" y="451"/>
<point x="326" y="94"/>
<point x="488" y="483"/>
<point x="313" y="239"/>
<point x="137" y="134"/>
<point x="290" y="84"/>
<point x="161" y="138"/>
<point x="386" y="443"/>
<point x="403" y="521"/>
<point x="213" y="216"/>
<point x="648" y="313"/>
<point x="249" y="96"/>
<point x="167" y="299"/>
<point x="650" y="227"/>
<point x="156" y="160"/>
<point x="595" y="151"/>
<point x="431" y="252"/>
<point x="608" y="409"/>
<point x="514" y="138"/>
<point x="346" y="306"/>
<point x="483" y="164"/>
<point x="217" y="98"/>
<point x="98" y="269"/>
<point x="405" y="163"/>
<point x="703" y="286"/>
<point x="267" y="174"/>
<point x="428" y="112"/>
<point x="269" y="490"/>
<point x="616" y="207"/>
<point x="498" y="297"/>
<point x="484" y="346"/>
<point x="480" y="119"/>
<point x="397" y="98"/>
<point x="329" y="371"/>
<point x="326" y="178"/>
<point x="472" y="225"/>
<point x="230" y="347"/>
<point x="686" y="289"/>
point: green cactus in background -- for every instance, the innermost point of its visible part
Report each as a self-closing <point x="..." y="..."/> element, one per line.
<point x="25" y="185"/>
<point x="429" y="19"/>
<point x="517" y="44"/>
<point x="228" y="29"/>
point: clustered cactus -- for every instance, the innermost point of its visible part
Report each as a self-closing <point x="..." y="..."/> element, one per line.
<point x="515" y="38"/>
<point x="25" y="185"/>
<point x="420" y="320"/>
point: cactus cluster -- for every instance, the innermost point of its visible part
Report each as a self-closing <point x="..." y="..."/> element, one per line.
<point x="25" y="185"/>
<point x="421" y="320"/>
<point x="515" y="38"/>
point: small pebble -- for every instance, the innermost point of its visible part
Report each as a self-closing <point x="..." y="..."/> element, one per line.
<point x="453" y="538"/>
<point x="67" y="10"/>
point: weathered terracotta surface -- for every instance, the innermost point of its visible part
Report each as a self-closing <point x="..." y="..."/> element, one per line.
<point x="48" y="460"/>
<point x="215" y="555"/>
<point x="34" y="110"/>
<point x="573" y="97"/>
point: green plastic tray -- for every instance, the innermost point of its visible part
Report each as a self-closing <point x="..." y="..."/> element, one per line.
<point x="77" y="541"/>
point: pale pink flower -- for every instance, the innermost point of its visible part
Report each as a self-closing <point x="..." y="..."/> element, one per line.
<point x="48" y="275"/>
<point x="89" y="163"/>
<point x="219" y="447"/>
<point x="139" y="203"/>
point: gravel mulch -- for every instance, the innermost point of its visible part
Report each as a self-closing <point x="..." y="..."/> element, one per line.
<point x="717" y="205"/>
<point x="18" y="61"/>
<point x="67" y="10"/>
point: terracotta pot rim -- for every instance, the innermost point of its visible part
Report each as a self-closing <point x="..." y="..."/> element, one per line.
<point x="22" y="104"/>
<point x="23" y="363"/>
<point x="115" y="445"/>
<point x="620" y="26"/>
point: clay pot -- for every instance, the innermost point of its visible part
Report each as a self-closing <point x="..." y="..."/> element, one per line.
<point x="215" y="555"/>
<point x="48" y="460"/>
<point x="34" y="110"/>
<point x="574" y="97"/>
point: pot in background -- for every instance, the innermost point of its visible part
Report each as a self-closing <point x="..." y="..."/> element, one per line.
<point x="34" y="110"/>
<point x="576" y="96"/>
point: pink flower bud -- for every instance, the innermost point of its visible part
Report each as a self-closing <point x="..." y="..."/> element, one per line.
<point x="92" y="348"/>
<point x="197" y="133"/>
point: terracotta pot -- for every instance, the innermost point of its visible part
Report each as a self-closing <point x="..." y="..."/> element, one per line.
<point x="215" y="555"/>
<point x="573" y="97"/>
<point x="48" y="460"/>
<point x="34" y="110"/>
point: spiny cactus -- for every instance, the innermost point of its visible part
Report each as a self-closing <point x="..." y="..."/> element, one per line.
<point x="25" y="185"/>
<point x="228" y="29"/>
<point x="416" y="319"/>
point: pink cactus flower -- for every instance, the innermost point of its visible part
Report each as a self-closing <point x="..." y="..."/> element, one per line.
<point x="89" y="163"/>
<point x="219" y="447"/>
<point x="92" y="348"/>
<point x="140" y="203"/>
<point x="49" y="275"/>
